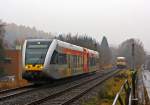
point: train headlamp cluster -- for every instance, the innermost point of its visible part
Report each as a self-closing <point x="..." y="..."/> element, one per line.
<point x="26" y="67"/>
<point x="36" y="67"/>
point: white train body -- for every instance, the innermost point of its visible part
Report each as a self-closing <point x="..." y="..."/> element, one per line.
<point x="55" y="59"/>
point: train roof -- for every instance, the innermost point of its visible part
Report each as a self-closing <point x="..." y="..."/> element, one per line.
<point x="39" y="39"/>
<point x="74" y="47"/>
<point x="66" y="45"/>
<point x="93" y="52"/>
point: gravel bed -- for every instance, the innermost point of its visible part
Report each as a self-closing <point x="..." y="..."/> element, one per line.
<point x="26" y="98"/>
<point x="86" y="97"/>
<point x="74" y="92"/>
<point x="91" y="94"/>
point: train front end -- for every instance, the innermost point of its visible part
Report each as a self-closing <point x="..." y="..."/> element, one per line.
<point x="33" y="58"/>
<point x="121" y="63"/>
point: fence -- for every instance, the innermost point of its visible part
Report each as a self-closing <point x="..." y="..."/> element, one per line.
<point x="123" y="97"/>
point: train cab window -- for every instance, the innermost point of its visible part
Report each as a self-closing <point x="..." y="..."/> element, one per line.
<point x="54" y="59"/>
<point x="36" y="51"/>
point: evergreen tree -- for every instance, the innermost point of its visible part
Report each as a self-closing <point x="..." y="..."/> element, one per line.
<point x="81" y="40"/>
<point x="105" y="52"/>
<point x="2" y="32"/>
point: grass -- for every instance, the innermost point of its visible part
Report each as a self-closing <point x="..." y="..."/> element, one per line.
<point x="108" y="91"/>
<point x="12" y="84"/>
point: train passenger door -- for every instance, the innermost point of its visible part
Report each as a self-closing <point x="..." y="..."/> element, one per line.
<point x="85" y="61"/>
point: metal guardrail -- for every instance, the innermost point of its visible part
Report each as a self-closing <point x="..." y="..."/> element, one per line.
<point x="125" y="92"/>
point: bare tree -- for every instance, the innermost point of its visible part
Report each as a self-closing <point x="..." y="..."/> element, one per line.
<point x="125" y="49"/>
<point x="14" y="31"/>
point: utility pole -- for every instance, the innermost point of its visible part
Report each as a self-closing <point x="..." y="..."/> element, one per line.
<point x="133" y="56"/>
<point x="134" y="100"/>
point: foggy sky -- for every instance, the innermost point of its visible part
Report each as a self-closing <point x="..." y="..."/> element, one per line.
<point x="116" y="19"/>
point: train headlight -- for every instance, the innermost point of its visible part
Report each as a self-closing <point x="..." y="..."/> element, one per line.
<point x="41" y="67"/>
<point x="26" y="67"/>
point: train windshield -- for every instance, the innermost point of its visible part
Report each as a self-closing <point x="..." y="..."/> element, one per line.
<point x="120" y="60"/>
<point x="36" y="52"/>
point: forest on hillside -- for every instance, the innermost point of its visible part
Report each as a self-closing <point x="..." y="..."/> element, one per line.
<point x="14" y="32"/>
<point x="12" y="35"/>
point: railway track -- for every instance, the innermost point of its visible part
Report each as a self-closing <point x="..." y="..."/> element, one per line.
<point x="5" y="94"/>
<point x="13" y="89"/>
<point x="72" y="93"/>
<point x="10" y="93"/>
<point x="50" y="92"/>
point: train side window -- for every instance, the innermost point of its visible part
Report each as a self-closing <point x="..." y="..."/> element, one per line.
<point x="92" y="61"/>
<point x="54" y="59"/>
<point x="80" y="61"/>
<point x="74" y="61"/>
<point x="62" y="58"/>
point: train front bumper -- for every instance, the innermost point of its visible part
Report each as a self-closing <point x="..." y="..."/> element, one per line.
<point x="34" y="75"/>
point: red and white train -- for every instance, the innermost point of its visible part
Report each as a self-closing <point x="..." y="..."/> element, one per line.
<point x="55" y="59"/>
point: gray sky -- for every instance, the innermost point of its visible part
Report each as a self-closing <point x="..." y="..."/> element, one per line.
<point x="116" y="19"/>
